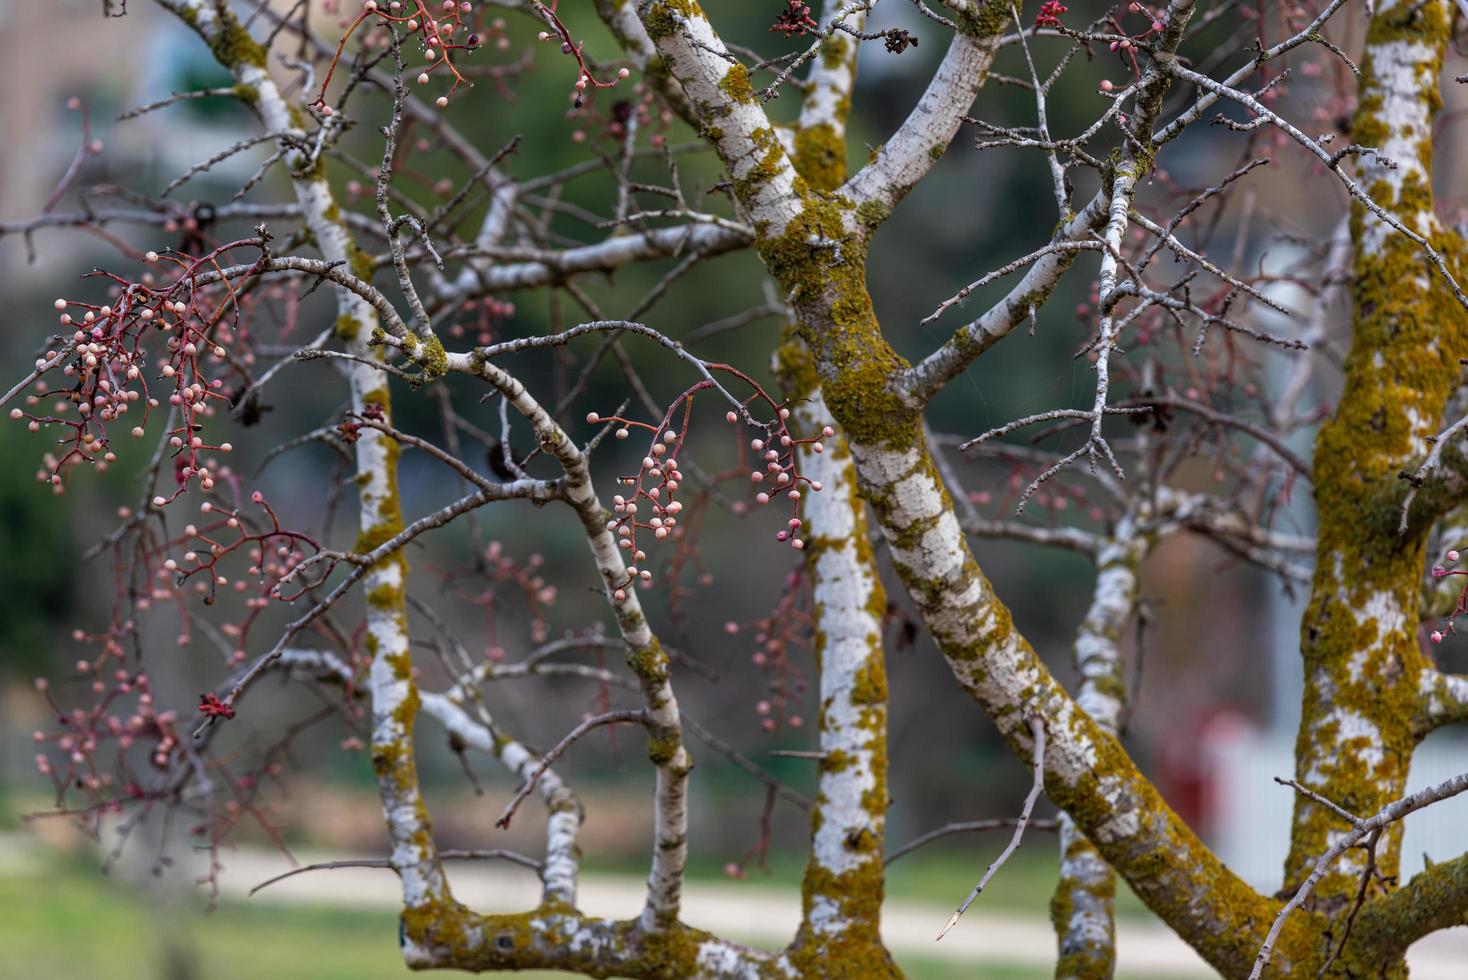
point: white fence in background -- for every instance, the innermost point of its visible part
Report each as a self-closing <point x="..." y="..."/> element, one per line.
<point x="1250" y="812"/>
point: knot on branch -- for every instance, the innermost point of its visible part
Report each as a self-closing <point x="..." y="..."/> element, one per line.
<point x="899" y="41"/>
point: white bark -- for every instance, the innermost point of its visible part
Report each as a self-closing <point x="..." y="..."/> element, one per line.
<point x="925" y="134"/>
<point x="414" y="856"/>
<point x="650" y="662"/>
<point x="830" y="81"/>
<point x="1087" y="937"/>
<point x="1086" y="770"/>
<point x="485" y="275"/>
<point x="563" y="813"/>
<point x="743" y="134"/>
<point x="850" y="813"/>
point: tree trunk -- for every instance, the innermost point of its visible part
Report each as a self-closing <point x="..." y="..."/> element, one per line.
<point x="1363" y="659"/>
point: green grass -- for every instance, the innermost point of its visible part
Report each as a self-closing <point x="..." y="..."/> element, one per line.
<point x="72" y="921"/>
<point x="69" y="920"/>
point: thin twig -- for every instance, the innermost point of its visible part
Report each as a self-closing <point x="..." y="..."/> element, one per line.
<point x="1037" y="729"/>
<point x="546" y="761"/>
<point x="495" y="854"/>
<point x="966" y="827"/>
<point x="1393" y="811"/>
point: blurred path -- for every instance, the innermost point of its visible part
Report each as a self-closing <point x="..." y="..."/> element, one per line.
<point x="748" y="911"/>
<point x="765" y="916"/>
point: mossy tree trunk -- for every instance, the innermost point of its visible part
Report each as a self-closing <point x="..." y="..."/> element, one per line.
<point x="394" y="695"/>
<point x="1367" y="680"/>
<point x="1084" y="905"/>
<point x="843" y="885"/>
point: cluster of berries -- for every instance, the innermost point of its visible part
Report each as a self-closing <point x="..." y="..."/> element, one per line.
<point x="1049" y="15"/>
<point x="102" y="363"/>
<point x="795" y="20"/>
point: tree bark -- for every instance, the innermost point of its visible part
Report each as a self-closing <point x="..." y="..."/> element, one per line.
<point x="1366" y="675"/>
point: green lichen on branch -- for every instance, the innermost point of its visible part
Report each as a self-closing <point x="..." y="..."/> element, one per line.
<point x="820" y="156"/>
<point x="662" y="18"/>
<point x="424" y="350"/>
<point x="855" y="953"/>
<point x="248" y="94"/>
<point x="991" y="18"/>
<point x="385" y="506"/>
<point x="229" y="41"/>
<point x="843" y="890"/>
<point x="736" y="85"/>
<point x="557" y="937"/>
<point x="1082" y="956"/>
<point x="770" y="160"/>
<point x="835" y="50"/>
<point x="820" y="262"/>
<point x="347" y="327"/>
<point x="360" y="262"/>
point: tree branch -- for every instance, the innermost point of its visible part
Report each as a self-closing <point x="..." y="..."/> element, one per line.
<point x="1362" y="828"/>
<point x="394" y="698"/>
<point x="744" y="137"/>
<point x="907" y="156"/>
<point x="1436" y="898"/>
<point x="1037" y="730"/>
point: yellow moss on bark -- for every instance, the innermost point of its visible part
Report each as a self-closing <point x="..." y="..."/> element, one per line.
<point x="1362" y="656"/>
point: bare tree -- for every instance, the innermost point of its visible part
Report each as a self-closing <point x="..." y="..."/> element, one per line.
<point x="1196" y="363"/>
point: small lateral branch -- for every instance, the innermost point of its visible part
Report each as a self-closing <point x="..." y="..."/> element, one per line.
<point x="550" y="758"/>
<point x="1037" y="728"/>
<point x="493" y="854"/>
<point x="966" y="827"/>
<point x="1361" y="829"/>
